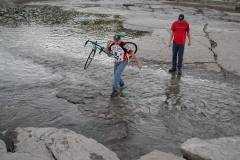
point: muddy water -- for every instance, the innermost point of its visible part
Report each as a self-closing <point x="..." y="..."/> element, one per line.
<point x="43" y="83"/>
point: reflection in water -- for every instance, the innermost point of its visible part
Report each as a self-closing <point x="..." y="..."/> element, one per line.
<point x="117" y="109"/>
<point x="120" y="111"/>
<point x="173" y="94"/>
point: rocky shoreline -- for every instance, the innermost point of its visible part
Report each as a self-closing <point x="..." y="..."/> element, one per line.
<point x="64" y="144"/>
<point x="230" y="5"/>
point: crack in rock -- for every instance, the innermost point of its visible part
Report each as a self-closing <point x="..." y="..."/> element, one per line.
<point x="213" y="45"/>
<point x="7" y="138"/>
<point x="51" y="152"/>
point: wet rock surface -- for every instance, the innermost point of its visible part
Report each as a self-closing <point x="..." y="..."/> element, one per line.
<point x="230" y="5"/>
<point x="158" y="155"/>
<point x="3" y="148"/>
<point x="43" y="83"/>
<point x="56" y="144"/>
<point x="119" y="131"/>
<point x="79" y="96"/>
<point x="226" y="148"/>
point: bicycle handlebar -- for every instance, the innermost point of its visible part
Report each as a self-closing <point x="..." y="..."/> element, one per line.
<point x="96" y="44"/>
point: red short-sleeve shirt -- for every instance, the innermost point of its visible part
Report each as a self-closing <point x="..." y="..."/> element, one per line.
<point x="180" y="29"/>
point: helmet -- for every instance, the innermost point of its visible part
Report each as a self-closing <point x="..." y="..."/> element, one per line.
<point x="181" y="17"/>
<point x="119" y="35"/>
<point x="116" y="37"/>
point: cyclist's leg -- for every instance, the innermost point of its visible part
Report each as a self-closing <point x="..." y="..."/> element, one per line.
<point x="115" y="78"/>
<point x="117" y="75"/>
<point x="121" y="81"/>
<point x="115" y="67"/>
<point x="122" y="67"/>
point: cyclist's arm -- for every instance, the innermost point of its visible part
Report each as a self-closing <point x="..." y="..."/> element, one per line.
<point x="107" y="50"/>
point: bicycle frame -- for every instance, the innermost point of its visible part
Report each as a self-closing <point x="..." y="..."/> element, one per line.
<point x="93" y="52"/>
<point x="96" y="47"/>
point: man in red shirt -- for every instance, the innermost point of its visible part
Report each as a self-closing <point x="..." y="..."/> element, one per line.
<point x="180" y="30"/>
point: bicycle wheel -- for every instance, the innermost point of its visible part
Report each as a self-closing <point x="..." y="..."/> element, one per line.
<point x="132" y="46"/>
<point x="90" y="58"/>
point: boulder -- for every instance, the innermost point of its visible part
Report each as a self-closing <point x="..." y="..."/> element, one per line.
<point x="226" y="148"/>
<point x="158" y="155"/>
<point x="3" y="148"/>
<point x="20" y="156"/>
<point x="56" y="144"/>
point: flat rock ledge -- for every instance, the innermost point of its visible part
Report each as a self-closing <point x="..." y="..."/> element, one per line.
<point x="158" y="155"/>
<point x="226" y="148"/>
<point x="54" y="144"/>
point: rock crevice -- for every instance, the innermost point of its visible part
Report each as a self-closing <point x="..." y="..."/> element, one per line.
<point x="213" y="45"/>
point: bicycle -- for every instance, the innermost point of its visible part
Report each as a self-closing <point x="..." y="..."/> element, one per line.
<point x="98" y="48"/>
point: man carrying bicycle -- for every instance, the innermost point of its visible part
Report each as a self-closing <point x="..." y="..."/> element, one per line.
<point x="121" y="53"/>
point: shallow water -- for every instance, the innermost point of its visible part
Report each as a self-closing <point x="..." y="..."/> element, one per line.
<point x="43" y="83"/>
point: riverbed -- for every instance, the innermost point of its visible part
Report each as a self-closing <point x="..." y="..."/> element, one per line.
<point x="43" y="82"/>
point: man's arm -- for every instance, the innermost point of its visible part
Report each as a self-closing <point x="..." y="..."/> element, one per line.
<point x="172" y="34"/>
<point x="171" y="38"/>
<point x="189" y="38"/>
<point x="188" y="34"/>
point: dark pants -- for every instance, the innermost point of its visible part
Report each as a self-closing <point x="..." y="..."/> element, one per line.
<point x="178" y="51"/>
